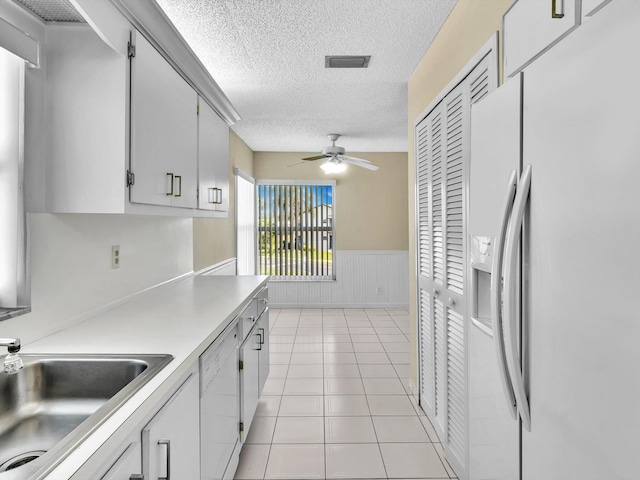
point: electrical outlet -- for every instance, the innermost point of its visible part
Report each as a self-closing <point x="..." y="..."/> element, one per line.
<point x="379" y="291"/>
<point x="115" y="256"/>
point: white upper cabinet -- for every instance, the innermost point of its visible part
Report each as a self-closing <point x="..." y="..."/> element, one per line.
<point x="591" y="7"/>
<point x="121" y="126"/>
<point x="164" y="131"/>
<point x="531" y="27"/>
<point x="213" y="160"/>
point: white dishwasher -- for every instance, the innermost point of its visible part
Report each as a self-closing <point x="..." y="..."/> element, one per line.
<point x="219" y="415"/>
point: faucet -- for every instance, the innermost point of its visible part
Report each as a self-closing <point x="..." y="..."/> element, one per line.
<point x="12" y="362"/>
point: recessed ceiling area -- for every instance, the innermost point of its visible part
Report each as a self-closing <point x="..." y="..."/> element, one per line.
<point x="269" y="58"/>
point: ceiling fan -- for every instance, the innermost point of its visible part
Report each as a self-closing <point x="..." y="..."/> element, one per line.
<point x="336" y="160"/>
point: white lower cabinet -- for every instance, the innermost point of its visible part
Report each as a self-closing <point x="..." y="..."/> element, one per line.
<point x="254" y="358"/>
<point x="127" y="466"/>
<point x="197" y="434"/>
<point x="171" y="440"/>
<point x="249" y="381"/>
<point x="263" y="349"/>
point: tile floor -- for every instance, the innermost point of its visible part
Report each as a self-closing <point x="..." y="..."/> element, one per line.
<point x="337" y="403"/>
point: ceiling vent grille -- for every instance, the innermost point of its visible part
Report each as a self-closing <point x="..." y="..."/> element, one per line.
<point x="53" y="10"/>
<point x="346" y="61"/>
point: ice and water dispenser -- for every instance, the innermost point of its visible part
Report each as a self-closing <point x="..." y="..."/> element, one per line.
<point x="481" y="261"/>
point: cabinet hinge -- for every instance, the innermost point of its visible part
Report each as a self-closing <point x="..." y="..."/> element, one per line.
<point x="131" y="178"/>
<point x="198" y="110"/>
<point x="241" y="365"/>
<point x="241" y="427"/>
<point x="131" y="50"/>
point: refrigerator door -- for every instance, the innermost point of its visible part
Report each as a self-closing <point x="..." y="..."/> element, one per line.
<point x="582" y="258"/>
<point x="494" y="452"/>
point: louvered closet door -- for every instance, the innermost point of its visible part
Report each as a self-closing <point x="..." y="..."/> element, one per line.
<point x="442" y="154"/>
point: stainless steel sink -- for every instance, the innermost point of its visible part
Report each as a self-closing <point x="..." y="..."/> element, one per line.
<point x="56" y="401"/>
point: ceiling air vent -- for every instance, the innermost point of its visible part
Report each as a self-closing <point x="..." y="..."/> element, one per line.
<point x="346" y="61"/>
<point x="53" y="10"/>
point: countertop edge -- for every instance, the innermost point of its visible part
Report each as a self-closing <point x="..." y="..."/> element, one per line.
<point x="102" y="447"/>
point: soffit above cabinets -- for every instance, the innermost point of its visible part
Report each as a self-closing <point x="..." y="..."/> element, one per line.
<point x="53" y="10"/>
<point x="269" y="59"/>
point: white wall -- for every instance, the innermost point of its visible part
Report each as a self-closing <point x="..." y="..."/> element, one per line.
<point x="71" y="273"/>
<point x="358" y="276"/>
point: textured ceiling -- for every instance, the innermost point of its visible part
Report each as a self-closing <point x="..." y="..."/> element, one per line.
<point x="268" y="57"/>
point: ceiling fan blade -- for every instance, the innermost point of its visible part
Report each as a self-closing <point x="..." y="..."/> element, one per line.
<point x="294" y="164"/>
<point x="317" y="157"/>
<point x="360" y="162"/>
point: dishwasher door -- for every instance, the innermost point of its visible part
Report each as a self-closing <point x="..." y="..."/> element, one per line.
<point x="219" y="414"/>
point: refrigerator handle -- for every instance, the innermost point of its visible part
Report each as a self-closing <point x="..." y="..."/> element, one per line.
<point x="496" y="297"/>
<point x="511" y="295"/>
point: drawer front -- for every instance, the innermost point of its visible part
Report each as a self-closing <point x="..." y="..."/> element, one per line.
<point x="248" y="318"/>
<point x="263" y="300"/>
<point x="531" y="27"/>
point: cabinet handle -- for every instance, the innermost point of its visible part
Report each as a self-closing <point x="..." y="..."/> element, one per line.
<point x="179" y="177"/>
<point x="171" y="191"/>
<point x="219" y="199"/>
<point x="136" y="476"/>
<point x="261" y="341"/>
<point x="554" y="14"/>
<point x="168" y="444"/>
<point x="212" y="195"/>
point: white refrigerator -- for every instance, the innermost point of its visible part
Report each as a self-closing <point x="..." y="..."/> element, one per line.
<point x="554" y="219"/>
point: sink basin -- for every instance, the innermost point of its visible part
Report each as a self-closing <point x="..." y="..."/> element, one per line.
<point x="56" y="401"/>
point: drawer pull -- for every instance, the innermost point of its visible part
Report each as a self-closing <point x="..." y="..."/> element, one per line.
<point x="179" y="177"/>
<point x="554" y="13"/>
<point x="170" y="192"/>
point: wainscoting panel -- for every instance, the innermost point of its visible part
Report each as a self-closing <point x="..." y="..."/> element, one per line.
<point x="370" y="278"/>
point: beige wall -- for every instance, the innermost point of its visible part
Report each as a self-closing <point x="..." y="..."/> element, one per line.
<point x="214" y="239"/>
<point x="370" y="206"/>
<point x="470" y="24"/>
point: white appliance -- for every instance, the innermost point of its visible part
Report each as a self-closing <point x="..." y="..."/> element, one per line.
<point x="219" y="407"/>
<point x="554" y="373"/>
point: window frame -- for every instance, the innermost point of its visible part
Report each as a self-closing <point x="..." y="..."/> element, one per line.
<point x="15" y="298"/>
<point x="300" y="278"/>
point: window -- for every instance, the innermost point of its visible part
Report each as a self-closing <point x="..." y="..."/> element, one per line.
<point x="13" y="273"/>
<point x="296" y="229"/>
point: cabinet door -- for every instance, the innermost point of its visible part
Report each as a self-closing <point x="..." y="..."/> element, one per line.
<point x="213" y="160"/>
<point x="249" y="380"/>
<point x="171" y="440"/>
<point x="531" y="27"/>
<point x="263" y="352"/>
<point x="128" y="464"/>
<point x="163" y="131"/>
<point x="442" y="160"/>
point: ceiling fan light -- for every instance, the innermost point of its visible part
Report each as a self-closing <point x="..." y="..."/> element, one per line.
<point x="333" y="167"/>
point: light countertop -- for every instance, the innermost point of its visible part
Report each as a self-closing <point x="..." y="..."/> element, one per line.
<point x="180" y="319"/>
